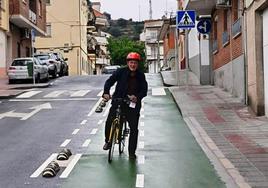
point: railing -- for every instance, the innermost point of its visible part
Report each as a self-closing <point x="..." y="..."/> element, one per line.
<point x="225" y="38"/>
<point x="215" y="46"/>
<point x="236" y="28"/>
<point x="32" y="16"/>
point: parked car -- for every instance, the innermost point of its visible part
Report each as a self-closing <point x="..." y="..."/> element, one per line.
<point x="20" y="69"/>
<point x="110" y="69"/>
<point x="64" y="68"/>
<point x="51" y="61"/>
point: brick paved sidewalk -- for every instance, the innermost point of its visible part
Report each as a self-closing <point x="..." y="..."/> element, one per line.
<point x="237" y="138"/>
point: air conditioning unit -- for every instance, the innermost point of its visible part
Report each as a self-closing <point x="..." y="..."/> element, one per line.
<point x="223" y="4"/>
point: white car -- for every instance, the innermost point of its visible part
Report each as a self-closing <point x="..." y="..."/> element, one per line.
<point x="20" y="69"/>
<point x="53" y="63"/>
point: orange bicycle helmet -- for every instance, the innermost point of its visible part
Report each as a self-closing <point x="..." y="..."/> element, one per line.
<point x="133" y="56"/>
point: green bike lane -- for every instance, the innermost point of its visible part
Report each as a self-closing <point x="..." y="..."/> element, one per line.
<point x="168" y="155"/>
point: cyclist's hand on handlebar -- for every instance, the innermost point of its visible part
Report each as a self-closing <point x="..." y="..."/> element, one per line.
<point x="106" y="97"/>
<point x="132" y="98"/>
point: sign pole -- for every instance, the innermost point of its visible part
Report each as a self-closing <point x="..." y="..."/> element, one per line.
<point x="176" y="56"/>
<point x="32" y="43"/>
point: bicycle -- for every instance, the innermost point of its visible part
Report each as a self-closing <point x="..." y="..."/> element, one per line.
<point x="119" y="130"/>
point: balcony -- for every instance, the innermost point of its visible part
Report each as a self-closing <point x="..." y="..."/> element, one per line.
<point x="225" y="38"/>
<point x="198" y="6"/>
<point x="236" y="28"/>
<point x="32" y="16"/>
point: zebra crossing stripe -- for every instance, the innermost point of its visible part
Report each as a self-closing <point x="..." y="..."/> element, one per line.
<point x="54" y="94"/>
<point x="80" y="93"/>
<point x="28" y="94"/>
<point x="158" y="91"/>
<point x="70" y="166"/>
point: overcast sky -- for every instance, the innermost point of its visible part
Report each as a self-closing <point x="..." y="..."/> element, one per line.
<point x="138" y="10"/>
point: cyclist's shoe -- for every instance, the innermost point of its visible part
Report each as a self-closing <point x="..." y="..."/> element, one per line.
<point x="132" y="156"/>
<point x="106" y="146"/>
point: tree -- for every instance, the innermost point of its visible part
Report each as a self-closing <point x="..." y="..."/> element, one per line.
<point x="120" y="47"/>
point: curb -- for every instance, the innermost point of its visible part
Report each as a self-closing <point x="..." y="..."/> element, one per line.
<point x="165" y="84"/>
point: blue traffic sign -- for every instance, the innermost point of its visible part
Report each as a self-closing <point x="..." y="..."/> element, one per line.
<point x="204" y="26"/>
<point x="185" y="19"/>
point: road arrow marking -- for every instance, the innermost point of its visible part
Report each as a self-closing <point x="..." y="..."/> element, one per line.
<point x="37" y="109"/>
<point x="25" y="116"/>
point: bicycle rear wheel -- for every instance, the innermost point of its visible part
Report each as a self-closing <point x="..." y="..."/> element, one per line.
<point x="122" y="137"/>
<point x="112" y="143"/>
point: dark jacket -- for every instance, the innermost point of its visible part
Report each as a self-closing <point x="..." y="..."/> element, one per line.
<point x="121" y="77"/>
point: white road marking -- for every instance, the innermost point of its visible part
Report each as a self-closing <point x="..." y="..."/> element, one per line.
<point x="141" y="159"/>
<point x="107" y="110"/>
<point x="100" y="93"/>
<point x="86" y="143"/>
<point x="94" y="107"/>
<point x="49" y="99"/>
<point x="142" y="109"/>
<point x="75" y="131"/>
<point x="142" y="124"/>
<point x="140" y="180"/>
<point x="83" y="122"/>
<point x="37" y="109"/>
<point x="141" y="144"/>
<point x="141" y="133"/>
<point x="142" y="104"/>
<point x="94" y="131"/>
<point x="80" y="93"/>
<point x="142" y="115"/>
<point x="54" y="94"/>
<point x="28" y="94"/>
<point x="44" y="165"/>
<point x="70" y="166"/>
<point x="100" y="121"/>
<point x="158" y="91"/>
<point x="65" y="143"/>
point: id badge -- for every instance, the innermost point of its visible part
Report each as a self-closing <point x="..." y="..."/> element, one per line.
<point x="132" y="105"/>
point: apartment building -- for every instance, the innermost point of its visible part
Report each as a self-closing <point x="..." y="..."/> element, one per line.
<point x="67" y="32"/>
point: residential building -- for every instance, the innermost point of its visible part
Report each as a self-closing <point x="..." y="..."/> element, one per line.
<point x="218" y="58"/>
<point x="67" y="32"/>
<point x="153" y="46"/>
<point x="5" y="51"/>
<point x="27" y="20"/>
<point x="256" y="50"/>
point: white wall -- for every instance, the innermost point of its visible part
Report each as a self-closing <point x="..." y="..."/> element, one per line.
<point x="2" y="49"/>
<point x="265" y="58"/>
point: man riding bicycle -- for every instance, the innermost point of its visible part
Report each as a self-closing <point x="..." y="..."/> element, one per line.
<point x="131" y="83"/>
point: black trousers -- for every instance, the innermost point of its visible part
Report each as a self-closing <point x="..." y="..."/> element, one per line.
<point x="132" y="117"/>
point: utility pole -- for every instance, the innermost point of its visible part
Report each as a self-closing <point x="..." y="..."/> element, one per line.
<point x="150" y="11"/>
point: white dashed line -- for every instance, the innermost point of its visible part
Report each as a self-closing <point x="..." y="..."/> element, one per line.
<point x="142" y="115"/>
<point x="141" y="144"/>
<point x="100" y="94"/>
<point x="106" y="110"/>
<point x="43" y="166"/>
<point x="140" y="180"/>
<point x="142" y="109"/>
<point x="141" y="133"/>
<point x="86" y="143"/>
<point x="75" y="131"/>
<point x="158" y="91"/>
<point x="100" y="122"/>
<point x="70" y="166"/>
<point x="141" y="159"/>
<point x="65" y="143"/>
<point x="94" y="107"/>
<point x="83" y="122"/>
<point x="142" y="124"/>
<point x="94" y="131"/>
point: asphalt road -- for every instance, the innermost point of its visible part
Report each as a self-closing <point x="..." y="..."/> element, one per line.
<point x="168" y="155"/>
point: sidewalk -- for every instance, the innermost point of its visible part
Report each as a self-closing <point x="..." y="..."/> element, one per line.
<point x="235" y="140"/>
<point x="12" y="90"/>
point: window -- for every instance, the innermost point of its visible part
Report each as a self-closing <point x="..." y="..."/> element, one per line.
<point x="40" y="8"/>
<point x="48" y="29"/>
<point x="225" y="20"/>
<point x="48" y="2"/>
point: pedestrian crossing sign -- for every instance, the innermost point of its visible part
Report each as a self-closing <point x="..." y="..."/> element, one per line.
<point x="185" y="19"/>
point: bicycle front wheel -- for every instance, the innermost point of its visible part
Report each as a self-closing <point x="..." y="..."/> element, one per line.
<point x="112" y="143"/>
<point x="122" y="137"/>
